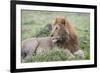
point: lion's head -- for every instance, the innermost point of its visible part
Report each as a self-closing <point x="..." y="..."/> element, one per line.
<point x="65" y="33"/>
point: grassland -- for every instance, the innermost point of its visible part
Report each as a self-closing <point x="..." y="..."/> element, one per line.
<point x="34" y="22"/>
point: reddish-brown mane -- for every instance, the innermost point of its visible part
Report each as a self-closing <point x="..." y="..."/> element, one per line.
<point x="72" y="40"/>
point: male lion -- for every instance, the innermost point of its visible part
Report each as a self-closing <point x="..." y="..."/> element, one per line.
<point x="68" y="37"/>
<point x="34" y="46"/>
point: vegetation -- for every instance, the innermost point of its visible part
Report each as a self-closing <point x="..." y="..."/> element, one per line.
<point x="34" y="24"/>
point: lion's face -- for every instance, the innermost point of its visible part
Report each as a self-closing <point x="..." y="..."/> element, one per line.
<point x="59" y="30"/>
<point x="59" y="33"/>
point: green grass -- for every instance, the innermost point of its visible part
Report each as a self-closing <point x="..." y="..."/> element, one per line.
<point x="52" y="55"/>
<point x="34" y="25"/>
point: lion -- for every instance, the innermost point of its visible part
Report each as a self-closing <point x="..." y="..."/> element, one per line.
<point x="68" y="37"/>
<point x="33" y="46"/>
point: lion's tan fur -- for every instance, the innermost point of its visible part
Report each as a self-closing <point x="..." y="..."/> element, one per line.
<point x="33" y="46"/>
